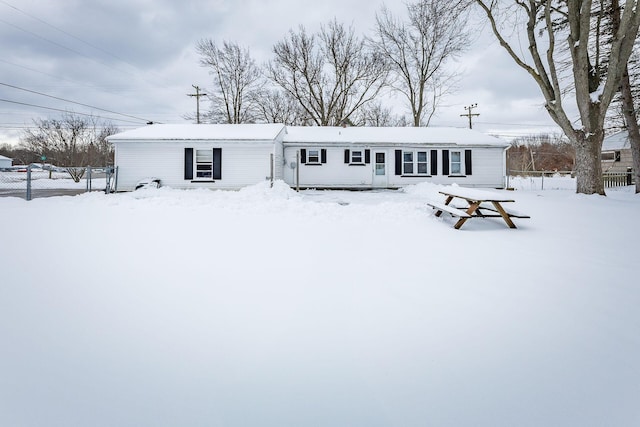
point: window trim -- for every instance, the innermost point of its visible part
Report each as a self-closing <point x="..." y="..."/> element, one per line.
<point x="459" y="163"/>
<point x="190" y="164"/>
<point x="614" y="154"/>
<point x="305" y="155"/>
<point x="363" y="159"/>
<point x="318" y="156"/>
<point x="357" y="160"/>
<point x="415" y="163"/>
<point x="197" y="163"/>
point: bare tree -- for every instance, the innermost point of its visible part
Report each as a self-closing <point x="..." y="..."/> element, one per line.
<point x="419" y="49"/>
<point x="71" y="141"/>
<point x="276" y="106"/>
<point x="330" y="74"/>
<point x="542" y="152"/>
<point x="592" y="89"/>
<point x="235" y="77"/>
<point x="375" y="114"/>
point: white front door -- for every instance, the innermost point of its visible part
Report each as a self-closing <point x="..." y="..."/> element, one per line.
<point x="379" y="169"/>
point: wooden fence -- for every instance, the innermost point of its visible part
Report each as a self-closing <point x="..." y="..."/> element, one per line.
<point x="610" y="179"/>
<point x="617" y="179"/>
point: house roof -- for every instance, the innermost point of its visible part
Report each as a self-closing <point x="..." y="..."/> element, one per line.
<point x="390" y="135"/>
<point x="617" y="141"/>
<point x="176" y="132"/>
<point x="4" y="157"/>
<point x="309" y="134"/>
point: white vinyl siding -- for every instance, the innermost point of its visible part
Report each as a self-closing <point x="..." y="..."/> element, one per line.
<point x="242" y="163"/>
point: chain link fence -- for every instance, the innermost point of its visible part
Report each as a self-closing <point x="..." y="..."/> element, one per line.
<point x="34" y="181"/>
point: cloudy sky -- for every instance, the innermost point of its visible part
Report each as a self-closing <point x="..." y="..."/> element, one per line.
<point x="137" y="59"/>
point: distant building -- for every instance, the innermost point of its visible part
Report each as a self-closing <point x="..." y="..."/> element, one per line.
<point x="616" y="153"/>
<point x="5" y="162"/>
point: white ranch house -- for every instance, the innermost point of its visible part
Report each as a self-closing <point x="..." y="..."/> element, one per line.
<point x="234" y="156"/>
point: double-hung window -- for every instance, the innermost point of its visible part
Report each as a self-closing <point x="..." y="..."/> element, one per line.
<point x="407" y="162"/>
<point x="313" y="156"/>
<point x="204" y="164"/>
<point x="456" y="163"/>
<point x="452" y="162"/>
<point x="422" y="163"/>
<point x="415" y="163"/>
<point x="358" y="157"/>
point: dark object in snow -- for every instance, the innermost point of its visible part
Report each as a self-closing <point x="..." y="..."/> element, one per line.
<point x="148" y="183"/>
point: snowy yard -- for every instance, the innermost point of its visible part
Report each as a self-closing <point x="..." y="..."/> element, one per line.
<point x="267" y="307"/>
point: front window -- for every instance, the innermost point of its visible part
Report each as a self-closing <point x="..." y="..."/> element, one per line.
<point x="407" y="162"/>
<point x="422" y="162"/>
<point x="314" y="156"/>
<point x="610" y="156"/>
<point x="356" y="156"/>
<point x="415" y="163"/>
<point x="204" y="164"/>
<point x="456" y="163"/>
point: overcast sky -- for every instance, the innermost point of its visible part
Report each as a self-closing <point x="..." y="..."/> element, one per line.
<point x="138" y="58"/>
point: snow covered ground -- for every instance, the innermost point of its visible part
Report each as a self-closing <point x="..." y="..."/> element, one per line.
<point x="266" y="307"/>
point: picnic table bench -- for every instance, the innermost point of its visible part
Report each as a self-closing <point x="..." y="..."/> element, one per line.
<point x="478" y="204"/>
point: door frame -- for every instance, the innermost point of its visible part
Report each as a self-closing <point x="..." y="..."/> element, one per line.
<point x="379" y="181"/>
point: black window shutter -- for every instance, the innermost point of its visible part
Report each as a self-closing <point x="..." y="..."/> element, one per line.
<point x="217" y="163"/>
<point x="188" y="163"/>
<point x="445" y="162"/>
<point x="434" y="162"/>
<point x="303" y="156"/>
<point x="367" y="156"/>
<point x="347" y="156"/>
<point x="398" y="162"/>
<point x="467" y="161"/>
<point x="323" y="155"/>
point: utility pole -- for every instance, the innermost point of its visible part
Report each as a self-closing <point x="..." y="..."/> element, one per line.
<point x="197" y="95"/>
<point x="470" y="114"/>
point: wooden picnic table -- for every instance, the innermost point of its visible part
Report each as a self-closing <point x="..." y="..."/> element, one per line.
<point x="478" y="204"/>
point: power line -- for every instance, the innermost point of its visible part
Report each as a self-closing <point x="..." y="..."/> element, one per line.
<point x="62" y="46"/>
<point x="72" y="36"/>
<point x="63" y="31"/>
<point x="64" y="111"/>
<point x="74" y="102"/>
<point x="516" y="124"/>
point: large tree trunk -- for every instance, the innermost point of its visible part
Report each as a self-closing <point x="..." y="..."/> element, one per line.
<point x="588" y="166"/>
<point x="635" y="152"/>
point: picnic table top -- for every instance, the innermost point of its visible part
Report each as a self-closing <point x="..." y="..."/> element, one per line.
<point x="475" y="194"/>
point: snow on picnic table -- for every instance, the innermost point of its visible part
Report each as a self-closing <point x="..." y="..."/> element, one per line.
<point x="275" y="308"/>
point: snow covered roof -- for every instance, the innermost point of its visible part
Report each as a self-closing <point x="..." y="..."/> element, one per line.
<point x="4" y="157"/>
<point x="171" y="132"/>
<point x="310" y="134"/>
<point x="617" y="141"/>
<point x="390" y="135"/>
